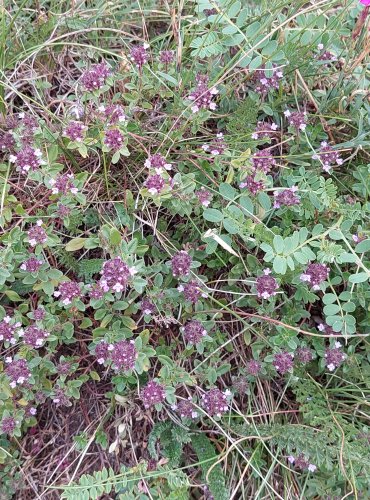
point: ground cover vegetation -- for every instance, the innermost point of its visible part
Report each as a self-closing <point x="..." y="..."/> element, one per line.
<point x="184" y="266"/>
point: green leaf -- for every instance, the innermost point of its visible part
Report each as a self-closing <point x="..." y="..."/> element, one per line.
<point x="227" y="191"/>
<point x="359" y="277"/>
<point x="278" y="244"/>
<point x="13" y="296"/>
<point x="363" y="246"/>
<point x="280" y="265"/>
<point x="75" y="244"/>
<point x="212" y="215"/>
<point x="115" y="237"/>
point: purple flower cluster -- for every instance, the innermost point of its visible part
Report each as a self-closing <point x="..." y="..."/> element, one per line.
<point x="158" y="163"/>
<point x="301" y="463"/>
<point x="186" y="409"/>
<point x="123" y="355"/>
<point x="296" y="119"/>
<point x="60" y="398"/>
<point x="304" y="355"/>
<point x="334" y="357"/>
<point x="315" y="274"/>
<point x="217" y="146"/>
<point x="63" y="184"/>
<point x="202" y="96"/>
<point x="328" y="330"/>
<point x="147" y="307"/>
<point x="152" y="394"/>
<point x="155" y="184"/>
<point x="115" y="275"/>
<point x="34" y="336"/>
<point x="139" y="55"/>
<point x="180" y="264"/>
<point x="63" y="211"/>
<point x="102" y="351"/>
<point x="7" y="141"/>
<point x="31" y="265"/>
<point x="17" y="371"/>
<point x="8" y="330"/>
<point x="113" y="113"/>
<point x="166" y="56"/>
<point x="194" y="332"/>
<point x="263" y="161"/>
<point x="39" y="314"/>
<point x="113" y="139"/>
<point x="215" y="402"/>
<point x="68" y="291"/>
<point x="37" y="235"/>
<point x="75" y="131"/>
<point x="254" y="186"/>
<point x="253" y="367"/>
<point x="8" y="425"/>
<point x="204" y="196"/>
<point x="264" y="84"/>
<point x="266" y="285"/>
<point x="325" y="55"/>
<point x="327" y="156"/>
<point x="192" y="291"/>
<point x="95" y="77"/>
<point x="264" y="130"/>
<point x="283" y="362"/>
<point x="286" y="197"/>
<point x="27" y="159"/>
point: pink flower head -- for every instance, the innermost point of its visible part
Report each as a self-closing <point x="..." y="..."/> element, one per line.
<point x="194" y="332"/>
<point x="113" y="139"/>
<point x="34" y="336"/>
<point x="286" y="197"/>
<point x="166" y="56"/>
<point x="31" y="265"/>
<point x="254" y="186"/>
<point x="68" y="291"/>
<point x="263" y="161"/>
<point x="155" y="184"/>
<point x="253" y="367"/>
<point x="192" y="291"/>
<point x="37" y="235"/>
<point x="283" y="362"/>
<point x="124" y="355"/>
<point x="139" y="55"/>
<point x="75" y="131"/>
<point x="158" y="163"/>
<point x="365" y="2"/>
<point x="266" y="285"/>
<point x="315" y="274"/>
<point x="204" y="196"/>
<point x="215" y="402"/>
<point x="8" y="330"/>
<point x="115" y="275"/>
<point x="264" y="83"/>
<point x="202" y="96"/>
<point x="18" y="372"/>
<point x="181" y="263"/>
<point x="296" y="119"/>
<point x="328" y="157"/>
<point x="265" y="130"/>
<point x="27" y="159"/>
<point x="186" y="409"/>
<point x="152" y="394"/>
<point x="63" y="184"/>
<point x="95" y="77"/>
